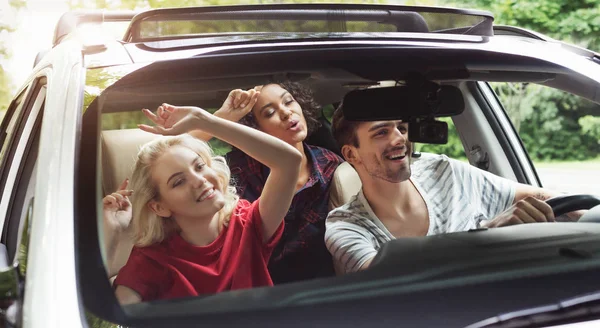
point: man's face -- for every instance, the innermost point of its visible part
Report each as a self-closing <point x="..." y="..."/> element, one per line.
<point x="384" y="151"/>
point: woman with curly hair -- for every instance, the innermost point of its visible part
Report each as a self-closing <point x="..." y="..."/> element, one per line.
<point x="289" y="112"/>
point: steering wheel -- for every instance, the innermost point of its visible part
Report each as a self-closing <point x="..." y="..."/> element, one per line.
<point x="564" y="204"/>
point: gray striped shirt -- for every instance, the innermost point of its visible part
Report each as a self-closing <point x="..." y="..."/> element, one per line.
<point x="458" y="196"/>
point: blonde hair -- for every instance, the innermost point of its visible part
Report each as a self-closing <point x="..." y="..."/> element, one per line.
<point x="149" y="228"/>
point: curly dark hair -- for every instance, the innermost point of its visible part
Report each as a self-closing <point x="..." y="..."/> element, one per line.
<point x="304" y="96"/>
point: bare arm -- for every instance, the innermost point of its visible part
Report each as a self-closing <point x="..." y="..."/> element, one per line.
<point x="282" y="159"/>
<point x="237" y="105"/>
<point x="126" y="295"/>
<point x="117" y="215"/>
<point x="529" y="206"/>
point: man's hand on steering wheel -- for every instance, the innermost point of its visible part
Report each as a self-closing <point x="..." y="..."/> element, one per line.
<point x="527" y="210"/>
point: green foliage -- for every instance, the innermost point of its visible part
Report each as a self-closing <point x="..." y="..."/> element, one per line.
<point x="6" y="93"/>
<point x="549" y="121"/>
<point x="552" y="124"/>
<point x="573" y="21"/>
<point x="590" y="126"/>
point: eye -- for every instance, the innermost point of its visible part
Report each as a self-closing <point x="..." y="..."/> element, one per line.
<point x="178" y="182"/>
<point x="381" y="132"/>
<point x="200" y="166"/>
<point x="288" y="101"/>
<point x="403" y="128"/>
<point x="269" y="113"/>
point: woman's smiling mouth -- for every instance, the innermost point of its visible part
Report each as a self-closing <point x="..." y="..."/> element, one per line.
<point x="208" y="194"/>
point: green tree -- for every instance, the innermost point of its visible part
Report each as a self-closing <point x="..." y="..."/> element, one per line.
<point x="550" y="122"/>
<point x="6" y="92"/>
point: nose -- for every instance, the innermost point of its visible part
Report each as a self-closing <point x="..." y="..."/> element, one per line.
<point x="198" y="180"/>
<point x="285" y="113"/>
<point x="399" y="138"/>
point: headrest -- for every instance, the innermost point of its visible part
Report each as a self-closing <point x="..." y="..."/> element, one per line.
<point x="119" y="151"/>
<point x="345" y="184"/>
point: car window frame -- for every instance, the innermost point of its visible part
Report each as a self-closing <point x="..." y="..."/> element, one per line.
<point x="19" y="152"/>
<point x="34" y="103"/>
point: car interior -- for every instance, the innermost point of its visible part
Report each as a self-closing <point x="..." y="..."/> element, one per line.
<point x="110" y="141"/>
<point x="330" y="85"/>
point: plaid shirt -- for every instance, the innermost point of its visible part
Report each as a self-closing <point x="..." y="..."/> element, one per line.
<point x="301" y="253"/>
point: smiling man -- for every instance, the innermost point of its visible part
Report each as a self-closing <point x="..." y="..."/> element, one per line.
<point x="406" y="197"/>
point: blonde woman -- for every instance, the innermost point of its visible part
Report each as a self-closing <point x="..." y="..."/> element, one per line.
<point x="192" y="234"/>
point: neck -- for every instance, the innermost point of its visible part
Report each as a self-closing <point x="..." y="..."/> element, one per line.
<point x="378" y="193"/>
<point x="199" y="232"/>
<point x="305" y="168"/>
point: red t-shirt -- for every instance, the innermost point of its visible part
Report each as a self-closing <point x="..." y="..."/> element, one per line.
<point x="174" y="268"/>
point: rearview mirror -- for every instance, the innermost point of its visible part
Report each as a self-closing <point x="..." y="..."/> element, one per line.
<point x="404" y="103"/>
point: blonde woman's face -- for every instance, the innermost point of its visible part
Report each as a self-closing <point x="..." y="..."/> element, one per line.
<point x="279" y="114"/>
<point x="187" y="186"/>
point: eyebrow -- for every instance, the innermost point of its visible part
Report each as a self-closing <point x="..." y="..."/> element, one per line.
<point x="379" y="126"/>
<point x="179" y="173"/>
<point x="383" y="125"/>
<point x="270" y="104"/>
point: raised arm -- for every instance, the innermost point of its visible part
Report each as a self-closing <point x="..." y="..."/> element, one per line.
<point x="282" y="159"/>
<point x="117" y="215"/>
<point x="237" y="105"/>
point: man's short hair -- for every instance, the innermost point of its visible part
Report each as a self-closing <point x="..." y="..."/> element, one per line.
<point x="344" y="131"/>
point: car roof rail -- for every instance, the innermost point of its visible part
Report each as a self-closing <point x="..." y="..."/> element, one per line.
<point x="523" y="32"/>
<point x="174" y="23"/>
<point x="69" y="21"/>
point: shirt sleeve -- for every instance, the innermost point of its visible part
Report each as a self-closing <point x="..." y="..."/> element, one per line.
<point x="256" y="219"/>
<point x="350" y="245"/>
<point x="495" y="194"/>
<point x="143" y="275"/>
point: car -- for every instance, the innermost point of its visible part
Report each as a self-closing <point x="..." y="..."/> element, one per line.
<point x="69" y="137"/>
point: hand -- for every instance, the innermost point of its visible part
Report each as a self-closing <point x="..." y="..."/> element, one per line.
<point x="117" y="208"/>
<point x="238" y="104"/>
<point x="527" y="210"/>
<point x="175" y="120"/>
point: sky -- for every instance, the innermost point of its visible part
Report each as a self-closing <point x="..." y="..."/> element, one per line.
<point x="35" y="28"/>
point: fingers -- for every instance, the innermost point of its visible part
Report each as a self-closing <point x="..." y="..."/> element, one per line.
<point x="151" y="116"/>
<point x="534" y="209"/>
<point x="243" y="99"/>
<point x="252" y="99"/>
<point x="169" y="108"/>
<point x="124" y="184"/>
<point x="117" y="199"/>
<point x="125" y="193"/>
<point x="525" y="217"/>
<point x="110" y="200"/>
<point x="235" y="96"/>
<point x="542" y="207"/>
<point x="155" y="129"/>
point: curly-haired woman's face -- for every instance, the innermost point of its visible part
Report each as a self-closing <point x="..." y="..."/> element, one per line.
<point x="279" y="114"/>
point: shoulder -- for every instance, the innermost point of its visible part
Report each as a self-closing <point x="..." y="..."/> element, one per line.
<point x="326" y="160"/>
<point x="324" y="156"/>
<point x="351" y="212"/>
<point x="243" y="212"/>
<point x="145" y="263"/>
<point x="436" y="166"/>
